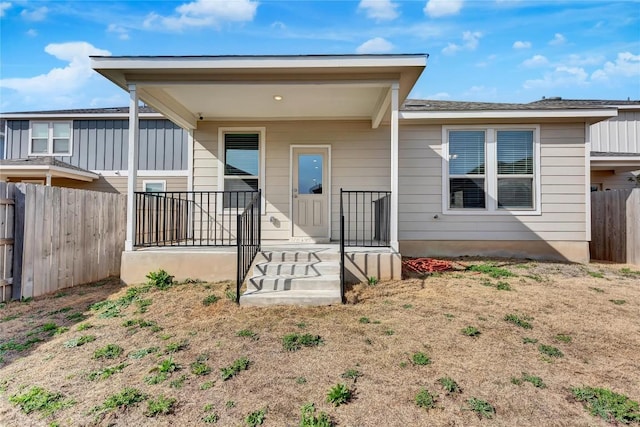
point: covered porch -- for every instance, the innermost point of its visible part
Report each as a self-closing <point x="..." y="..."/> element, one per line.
<point x="282" y="150"/>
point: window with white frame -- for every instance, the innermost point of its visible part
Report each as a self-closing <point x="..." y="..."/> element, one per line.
<point x="491" y="169"/>
<point x="154" y="186"/>
<point x="50" y="139"/>
<point x="241" y="167"/>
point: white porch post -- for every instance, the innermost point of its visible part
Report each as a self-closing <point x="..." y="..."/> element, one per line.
<point x="394" y="167"/>
<point x="48" y="179"/>
<point x="132" y="166"/>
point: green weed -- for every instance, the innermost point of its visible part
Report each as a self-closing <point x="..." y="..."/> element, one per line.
<point x="255" y="418"/>
<point x="352" y="374"/>
<point x="372" y="281"/>
<point x="626" y="271"/>
<point x="75" y="317"/>
<point x="598" y="290"/>
<point x="308" y="417"/>
<point x="523" y="321"/>
<point x="420" y="359"/>
<point x="364" y="320"/>
<point x="607" y="404"/>
<point x="211" y="299"/>
<point x="178" y="382"/>
<point x="210" y="418"/>
<point x="37" y="399"/>
<point x="160" y="279"/>
<point x="105" y="373"/>
<point x="294" y="342"/>
<point x="9" y="318"/>
<point x="481" y="407"/>
<point x="238" y="365"/>
<point x="339" y="394"/>
<point x="503" y="286"/>
<point x="471" y="331"/>
<point x="139" y="354"/>
<point x="247" y="333"/>
<point x="618" y="301"/>
<point x="127" y="397"/>
<point x="449" y="385"/>
<point x="536" y="381"/>
<point x="424" y="399"/>
<point x="160" y="406"/>
<point x="109" y="351"/>
<point x="84" y="327"/>
<point x="301" y="380"/>
<point x="527" y="340"/>
<point x="207" y="385"/>
<point x="563" y="338"/>
<point x="13" y="345"/>
<point x="176" y="346"/>
<point x="491" y="270"/>
<point x="79" y="341"/>
<point x="199" y="368"/>
<point x="231" y="295"/>
<point x="550" y="351"/>
<point x="596" y="274"/>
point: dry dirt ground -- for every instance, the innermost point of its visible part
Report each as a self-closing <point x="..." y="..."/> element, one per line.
<point x="404" y="317"/>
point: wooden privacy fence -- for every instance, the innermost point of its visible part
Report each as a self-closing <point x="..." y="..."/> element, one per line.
<point x="61" y="237"/>
<point x="615" y="226"/>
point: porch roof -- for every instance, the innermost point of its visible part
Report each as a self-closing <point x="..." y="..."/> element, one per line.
<point x="189" y="89"/>
<point x="40" y="167"/>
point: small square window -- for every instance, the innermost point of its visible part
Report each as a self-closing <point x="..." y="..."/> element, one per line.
<point x="154" y="186"/>
<point x="50" y="139"/>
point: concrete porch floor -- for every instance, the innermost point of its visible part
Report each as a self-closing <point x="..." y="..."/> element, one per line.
<point x="217" y="263"/>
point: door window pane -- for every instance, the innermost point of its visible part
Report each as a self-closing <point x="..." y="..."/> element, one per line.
<point x="310" y="173"/>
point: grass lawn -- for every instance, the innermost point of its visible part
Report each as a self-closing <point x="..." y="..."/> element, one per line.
<point x="504" y="343"/>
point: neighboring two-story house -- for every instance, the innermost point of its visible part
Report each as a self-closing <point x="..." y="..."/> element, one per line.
<point x="87" y="149"/>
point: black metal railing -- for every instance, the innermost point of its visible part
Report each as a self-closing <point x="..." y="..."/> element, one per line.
<point x="188" y="218"/>
<point x="248" y="239"/>
<point x="367" y="217"/>
<point x="365" y="220"/>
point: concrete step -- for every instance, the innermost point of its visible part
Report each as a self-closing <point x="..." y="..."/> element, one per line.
<point x="312" y="255"/>
<point x="291" y="297"/>
<point x="296" y="269"/>
<point x="330" y="282"/>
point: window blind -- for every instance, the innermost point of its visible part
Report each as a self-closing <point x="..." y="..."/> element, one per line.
<point x="515" y="152"/>
<point x="466" y="152"/>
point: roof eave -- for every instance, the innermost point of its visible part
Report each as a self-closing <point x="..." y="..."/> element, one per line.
<point x="591" y="115"/>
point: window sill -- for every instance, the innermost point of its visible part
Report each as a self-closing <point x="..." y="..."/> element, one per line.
<point x="478" y="212"/>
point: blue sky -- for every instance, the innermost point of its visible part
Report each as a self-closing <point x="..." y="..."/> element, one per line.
<point x="480" y="50"/>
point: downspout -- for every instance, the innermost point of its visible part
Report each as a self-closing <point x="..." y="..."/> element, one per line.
<point x="132" y="166"/>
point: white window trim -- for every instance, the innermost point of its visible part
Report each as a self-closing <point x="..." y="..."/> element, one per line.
<point x="50" y="152"/>
<point x="262" y="131"/>
<point x="153" y="181"/>
<point x="491" y="172"/>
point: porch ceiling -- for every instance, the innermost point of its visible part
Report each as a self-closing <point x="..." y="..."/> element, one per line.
<point x="342" y="87"/>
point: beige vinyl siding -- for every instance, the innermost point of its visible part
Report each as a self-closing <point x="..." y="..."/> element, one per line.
<point x="609" y="180"/>
<point x="562" y="181"/>
<point x="619" y="134"/>
<point x="118" y="184"/>
<point x="360" y="160"/>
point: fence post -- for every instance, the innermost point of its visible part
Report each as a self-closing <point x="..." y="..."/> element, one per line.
<point x="18" y="241"/>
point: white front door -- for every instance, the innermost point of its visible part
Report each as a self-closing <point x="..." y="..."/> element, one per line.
<point x="310" y="194"/>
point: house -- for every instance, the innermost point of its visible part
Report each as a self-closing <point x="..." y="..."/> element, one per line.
<point x="87" y="149"/>
<point x="615" y="143"/>
<point x="321" y="169"/>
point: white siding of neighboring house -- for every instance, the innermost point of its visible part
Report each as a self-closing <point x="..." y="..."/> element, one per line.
<point x="563" y="178"/>
<point x="619" y="134"/>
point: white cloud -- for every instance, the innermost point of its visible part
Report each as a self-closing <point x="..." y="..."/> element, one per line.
<point x="558" y="39"/>
<point x="470" y="39"/>
<point x="380" y="10"/>
<point x="32" y="33"/>
<point x="122" y="32"/>
<point x="39" y="14"/>
<point x="439" y="95"/>
<point x="562" y="76"/>
<point x="59" y="82"/>
<point x="521" y="45"/>
<point x="536" y="61"/>
<point x="438" y="8"/>
<point x="278" y="25"/>
<point x="205" y="13"/>
<point x="580" y="60"/>
<point x="375" y="45"/>
<point x="3" y="7"/>
<point x="625" y="65"/>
